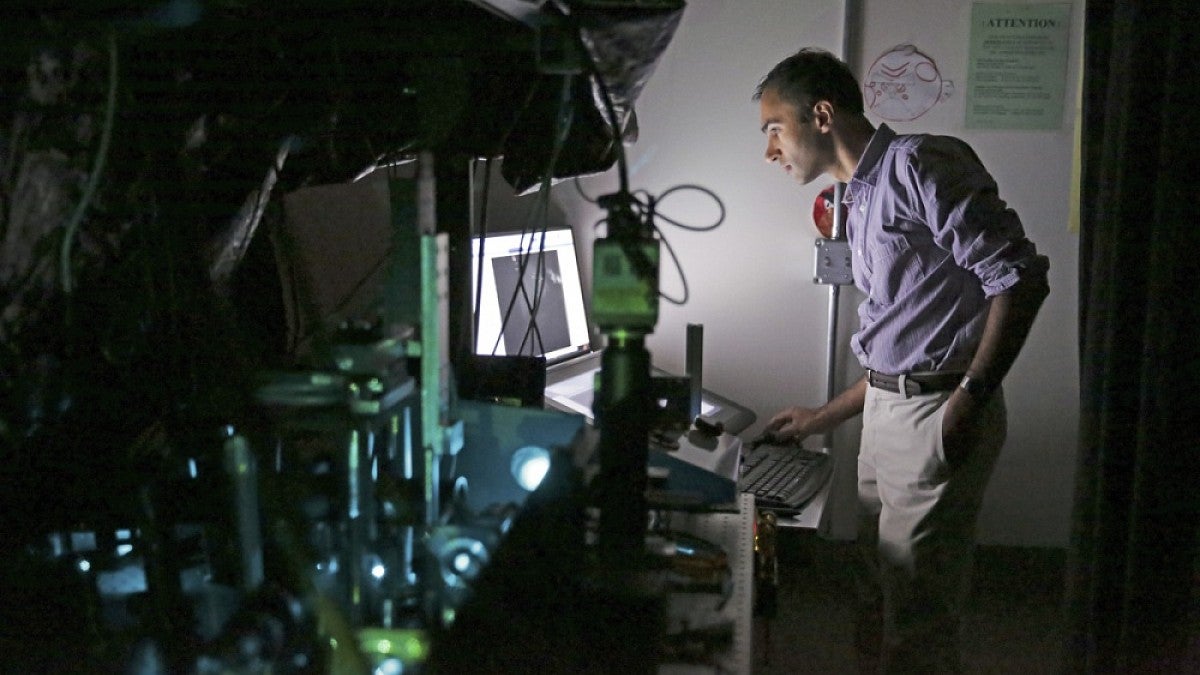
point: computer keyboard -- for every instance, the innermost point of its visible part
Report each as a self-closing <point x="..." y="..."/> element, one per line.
<point x="783" y="477"/>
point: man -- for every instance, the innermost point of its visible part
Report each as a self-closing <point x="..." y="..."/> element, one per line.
<point x="952" y="286"/>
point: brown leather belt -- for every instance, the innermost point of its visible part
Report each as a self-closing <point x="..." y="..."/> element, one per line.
<point x="914" y="383"/>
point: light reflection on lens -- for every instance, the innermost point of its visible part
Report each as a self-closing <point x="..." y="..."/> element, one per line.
<point x="529" y="466"/>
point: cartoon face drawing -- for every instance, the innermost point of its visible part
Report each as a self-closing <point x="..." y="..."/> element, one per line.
<point x="903" y="84"/>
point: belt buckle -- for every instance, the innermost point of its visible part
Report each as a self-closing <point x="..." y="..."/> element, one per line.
<point x="876" y="379"/>
<point x="894" y="384"/>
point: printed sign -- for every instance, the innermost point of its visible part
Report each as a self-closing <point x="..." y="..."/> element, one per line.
<point x="1018" y="67"/>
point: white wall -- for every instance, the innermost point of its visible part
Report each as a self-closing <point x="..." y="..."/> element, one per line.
<point x="751" y="280"/>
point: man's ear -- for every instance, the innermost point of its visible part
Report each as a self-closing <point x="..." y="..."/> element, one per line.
<point x="823" y="114"/>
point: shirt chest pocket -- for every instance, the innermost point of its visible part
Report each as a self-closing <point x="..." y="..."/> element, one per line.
<point x="897" y="267"/>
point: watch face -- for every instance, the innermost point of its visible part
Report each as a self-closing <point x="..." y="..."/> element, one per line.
<point x="974" y="387"/>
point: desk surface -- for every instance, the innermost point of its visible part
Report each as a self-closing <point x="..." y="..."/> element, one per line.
<point x="570" y="387"/>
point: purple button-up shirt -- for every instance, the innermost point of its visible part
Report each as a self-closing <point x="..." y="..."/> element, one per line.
<point x="931" y="242"/>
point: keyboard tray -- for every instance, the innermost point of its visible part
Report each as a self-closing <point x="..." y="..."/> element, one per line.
<point x="783" y="477"/>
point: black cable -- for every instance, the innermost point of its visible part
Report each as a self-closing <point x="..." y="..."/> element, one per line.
<point x="692" y="228"/>
<point x="679" y="267"/>
<point x="654" y="216"/>
<point x="539" y="286"/>
<point x="93" y="180"/>
<point x="565" y="118"/>
<point x="482" y="233"/>
<point x="563" y="121"/>
<point x="579" y="189"/>
<point x="512" y="300"/>
<point x="519" y="290"/>
<point x="593" y="70"/>
<point x="646" y="206"/>
<point x="646" y="209"/>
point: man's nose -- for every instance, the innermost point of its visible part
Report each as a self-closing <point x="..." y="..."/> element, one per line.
<point x="772" y="152"/>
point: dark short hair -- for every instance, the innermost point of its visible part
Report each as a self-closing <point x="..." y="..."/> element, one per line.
<point x="812" y="75"/>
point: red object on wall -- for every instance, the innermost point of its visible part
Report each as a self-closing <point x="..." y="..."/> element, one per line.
<point x="823" y="212"/>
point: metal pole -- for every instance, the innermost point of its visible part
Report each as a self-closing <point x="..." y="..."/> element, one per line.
<point x="851" y="19"/>
<point x="831" y="335"/>
<point x="851" y="10"/>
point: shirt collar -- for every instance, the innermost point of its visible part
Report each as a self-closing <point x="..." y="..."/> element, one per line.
<point x="867" y="171"/>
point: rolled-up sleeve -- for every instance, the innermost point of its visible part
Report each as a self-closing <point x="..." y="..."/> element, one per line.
<point x="968" y="218"/>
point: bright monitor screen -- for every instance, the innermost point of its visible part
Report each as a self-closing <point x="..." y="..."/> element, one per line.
<point x="531" y="298"/>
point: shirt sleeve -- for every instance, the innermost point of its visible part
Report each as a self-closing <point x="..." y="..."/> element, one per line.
<point x="964" y="211"/>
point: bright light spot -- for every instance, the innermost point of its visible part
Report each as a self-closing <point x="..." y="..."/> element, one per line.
<point x="390" y="666"/>
<point x="84" y="565"/>
<point x="529" y="466"/>
<point x="123" y="549"/>
<point x="378" y="570"/>
<point x="460" y="560"/>
<point x="533" y="472"/>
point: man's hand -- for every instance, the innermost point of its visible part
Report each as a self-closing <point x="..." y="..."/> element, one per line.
<point x="793" y="424"/>
<point x="1010" y="316"/>
<point x="796" y="423"/>
<point x="960" y="427"/>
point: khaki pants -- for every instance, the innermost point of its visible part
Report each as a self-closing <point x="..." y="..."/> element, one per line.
<point x="917" y="529"/>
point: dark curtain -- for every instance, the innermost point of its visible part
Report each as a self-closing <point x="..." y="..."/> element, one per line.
<point x="1133" y="559"/>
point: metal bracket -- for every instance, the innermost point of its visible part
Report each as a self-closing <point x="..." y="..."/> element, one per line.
<point x="832" y="263"/>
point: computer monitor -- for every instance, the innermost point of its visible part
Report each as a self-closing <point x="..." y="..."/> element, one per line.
<point x="530" y="298"/>
<point x="562" y="322"/>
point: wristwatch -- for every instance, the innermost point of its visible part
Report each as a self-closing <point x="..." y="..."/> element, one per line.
<point x="977" y="387"/>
